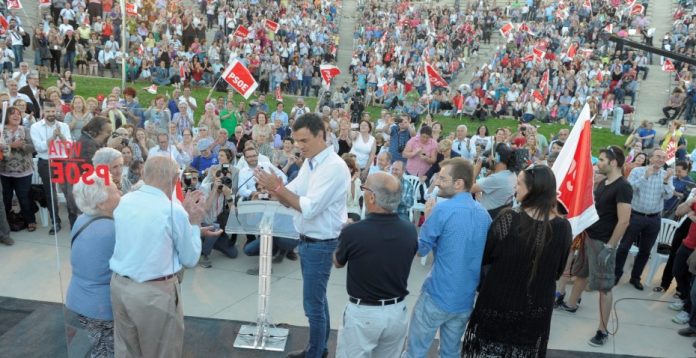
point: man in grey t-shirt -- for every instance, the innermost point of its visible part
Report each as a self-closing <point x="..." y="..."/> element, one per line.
<point x="498" y="187"/>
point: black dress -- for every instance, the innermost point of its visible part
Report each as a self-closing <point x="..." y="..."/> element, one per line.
<point x="512" y="315"/>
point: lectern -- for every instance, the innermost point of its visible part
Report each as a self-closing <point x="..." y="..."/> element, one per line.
<point x="266" y="219"/>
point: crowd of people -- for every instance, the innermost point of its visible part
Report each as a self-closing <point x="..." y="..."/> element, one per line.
<point x="362" y="186"/>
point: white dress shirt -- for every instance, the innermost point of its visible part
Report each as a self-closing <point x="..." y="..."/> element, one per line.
<point x="321" y="184"/>
<point x="41" y="131"/>
<point x="181" y="158"/>
<point x="153" y="236"/>
<point x="462" y="148"/>
<point x="241" y="163"/>
<point x="247" y="182"/>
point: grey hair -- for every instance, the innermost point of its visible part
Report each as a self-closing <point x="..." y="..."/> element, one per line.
<point x="387" y="199"/>
<point x="160" y="170"/>
<point x="89" y="196"/>
<point x="105" y="156"/>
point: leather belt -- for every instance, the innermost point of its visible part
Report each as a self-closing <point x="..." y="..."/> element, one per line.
<point x="163" y="278"/>
<point x="643" y="214"/>
<point x="387" y="302"/>
<point x="312" y="240"/>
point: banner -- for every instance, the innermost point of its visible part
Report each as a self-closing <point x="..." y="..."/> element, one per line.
<point x="506" y="29"/>
<point x="4" y="25"/>
<point x="239" y="77"/>
<point x="14" y="4"/>
<point x="572" y="50"/>
<point x="271" y="26"/>
<point x="432" y="78"/>
<point x="538" y="54"/>
<point x="131" y="9"/>
<point x="328" y="72"/>
<point x="241" y="31"/>
<point x="668" y="66"/>
<point x="575" y="176"/>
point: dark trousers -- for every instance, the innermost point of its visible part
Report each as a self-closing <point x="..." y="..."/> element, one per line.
<point x="643" y="227"/>
<point x="679" y="236"/>
<point x="682" y="274"/>
<point x="21" y="187"/>
<point x="223" y="243"/>
<point x="52" y="200"/>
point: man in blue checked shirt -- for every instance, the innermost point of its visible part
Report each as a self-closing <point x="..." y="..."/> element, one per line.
<point x="455" y="230"/>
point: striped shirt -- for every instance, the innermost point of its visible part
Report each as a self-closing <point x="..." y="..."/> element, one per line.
<point x="649" y="193"/>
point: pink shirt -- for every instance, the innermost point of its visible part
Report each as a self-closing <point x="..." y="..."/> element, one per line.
<point x="416" y="165"/>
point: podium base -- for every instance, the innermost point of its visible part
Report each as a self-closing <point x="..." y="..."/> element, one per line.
<point x="274" y="341"/>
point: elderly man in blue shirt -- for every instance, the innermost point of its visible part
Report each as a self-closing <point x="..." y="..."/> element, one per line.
<point x="455" y="231"/>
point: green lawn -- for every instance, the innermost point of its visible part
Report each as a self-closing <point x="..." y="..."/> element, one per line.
<point x="91" y="87"/>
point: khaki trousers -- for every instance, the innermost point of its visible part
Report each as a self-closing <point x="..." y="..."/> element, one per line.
<point x="148" y="318"/>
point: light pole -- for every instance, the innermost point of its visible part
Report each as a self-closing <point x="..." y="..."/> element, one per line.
<point x="123" y="45"/>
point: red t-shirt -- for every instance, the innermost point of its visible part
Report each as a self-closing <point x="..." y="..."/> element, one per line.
<point x="690" y="240"/>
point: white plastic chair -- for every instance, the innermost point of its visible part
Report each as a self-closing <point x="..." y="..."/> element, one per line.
<point x="36" y="180"/>
<point x="667" y="229"/>
<point x="415" y="183"/>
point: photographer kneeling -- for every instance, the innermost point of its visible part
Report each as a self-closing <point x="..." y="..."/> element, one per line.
<point x="250" y="190"/>
<point x="498" y="187"/>
<point x="220" y="185"/>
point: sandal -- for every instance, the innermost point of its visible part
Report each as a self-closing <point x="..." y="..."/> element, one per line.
<point x="659" y="289"/>
<point x="31" y="227"/>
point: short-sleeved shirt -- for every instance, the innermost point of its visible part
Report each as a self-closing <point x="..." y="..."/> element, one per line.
<point x="498" y="189"/>
<point x="606" y="199"/>
<point x="416" y="165"/>
<point x="379" y="251"/>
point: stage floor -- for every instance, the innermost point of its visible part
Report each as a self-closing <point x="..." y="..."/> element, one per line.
<point x="217" y="299"/>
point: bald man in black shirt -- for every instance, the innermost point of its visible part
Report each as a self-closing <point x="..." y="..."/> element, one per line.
<point x="379" y="252"/>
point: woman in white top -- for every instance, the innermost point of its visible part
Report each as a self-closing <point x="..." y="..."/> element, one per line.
<point x="481" y="138"/>
<point x="364" y="148"/>
<point x="354" y="192"/>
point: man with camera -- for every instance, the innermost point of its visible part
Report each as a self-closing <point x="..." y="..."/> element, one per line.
<point x="499" y="186"/>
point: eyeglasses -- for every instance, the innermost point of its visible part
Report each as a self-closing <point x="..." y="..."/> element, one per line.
<point x="364" y="188"/>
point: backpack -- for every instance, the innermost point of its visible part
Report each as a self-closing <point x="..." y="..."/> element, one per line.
<point x="26" y="39"/>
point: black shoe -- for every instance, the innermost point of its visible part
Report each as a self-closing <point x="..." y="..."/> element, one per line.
<point x="687" y="332"/>
<point x="636" y="283"/>
<point x="599" y="339"/>
<point x="279" y="257"/>
<point x="302" y="353"/>
<point x="54" y="229"/>
<point x="559" y="300"/>
<point x="567" y="308"/>
<point x="291" y="255"/>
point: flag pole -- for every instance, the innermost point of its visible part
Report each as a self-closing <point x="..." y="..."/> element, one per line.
<point x="123" y="44"/>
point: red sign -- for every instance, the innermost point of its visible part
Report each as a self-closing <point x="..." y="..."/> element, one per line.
<point x="433" y="77"/>
<point x="637" y="9"/>
<point x="271" y="26"/>
<point x="239" y="77"/>
<point x="524" y="27"/>
<point x="3" y="24"/>
<point x="572" y="50"/>
<point x="506" y="29"/>
<point x="241" y="31"/>
<point x="73" y="169"/>
<point x="44" y="3"/>
<point x="668" y="66"/>
<point x="14" y="4"/>
<point x="328" y="72"/>
<point x="131" y="9"/>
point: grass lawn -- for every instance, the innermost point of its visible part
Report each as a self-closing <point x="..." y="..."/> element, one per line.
<point x="91" y="87"/>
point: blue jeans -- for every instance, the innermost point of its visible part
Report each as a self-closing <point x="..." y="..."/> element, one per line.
<point x="222" y="243"/>
<point x="306" y="85"/>
<point x="427" y="318"/>
<point x="618" y="119"/>
<point x="18" y="51"/>
<point x="315" y="261"/>
<point x="69" y="61"/>
<point x="253" y="248"/>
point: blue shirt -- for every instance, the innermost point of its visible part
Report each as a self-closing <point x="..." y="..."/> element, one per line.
<point x="202" y="163"/>
<point x="398" y="142"/>
<point x="456" y="233"/>
<point x="88" y="292"/>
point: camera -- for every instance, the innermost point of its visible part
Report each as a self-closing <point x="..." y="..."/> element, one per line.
<point x="226" y="181"/>
<point x="187" y="179"/>
<point x="263" y="196"/>
<point x="224" y="169"/>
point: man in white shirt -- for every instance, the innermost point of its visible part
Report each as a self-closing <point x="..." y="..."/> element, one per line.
<point x="460" y="144"/>
<point x="165" y="149"/>
<point x="156" y="237"/>
<point x="299" y="109"/>
<point x="190" y="101"/>
<point x="319" y="196"/>
<point x="7" y="57"/>
<point x="21" y="75"/>
<point x="247" y="182"/>
<point x="14" y="95"/>
<point x="65" y="27"/>
<point x="107" y="57"/>
<point x="15" y="36"/>
<point x="49" y="136"/>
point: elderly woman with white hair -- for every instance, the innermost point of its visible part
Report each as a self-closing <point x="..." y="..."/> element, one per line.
<point x="113" y="159"/>
<point x="93" y="240"/>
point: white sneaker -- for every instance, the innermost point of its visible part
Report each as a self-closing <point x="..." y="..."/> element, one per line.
<point x="681" y="318"/>
<point x="677" y="305"/>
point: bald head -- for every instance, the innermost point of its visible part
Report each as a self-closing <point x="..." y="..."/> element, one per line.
<point x="161" y="172"/>
<point x="386" y="189"/>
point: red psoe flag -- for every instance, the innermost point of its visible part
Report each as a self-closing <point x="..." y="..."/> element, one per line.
<point x="278" y="94"/>
<point x="4" y="25"/>
<point x="131" y="9"/>
<point x="14" y="4"/>
<point x="271" y="26"/>
<point x="506" y="29"/>
<point x="241" y="32"/>
<point x="572" y="50"/>
<point x="575" y="176"/>
<point x="433" y="78"/>
<point x="538" y="54"/>
<point x="179" y="192"/>
<point x="524" y="27"/>
<point x="239" y="77"/>
<point x="668" y="66"/>
<point x="328" y="72"/>
<point x="637" y="9"/>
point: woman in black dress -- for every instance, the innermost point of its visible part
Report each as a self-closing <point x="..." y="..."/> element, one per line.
<point x="525" y="254"/>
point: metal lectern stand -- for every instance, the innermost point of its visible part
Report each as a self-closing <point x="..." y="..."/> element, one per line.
<point x="267" y="219"/>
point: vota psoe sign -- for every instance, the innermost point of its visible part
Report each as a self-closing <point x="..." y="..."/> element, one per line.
<point x="68" y="167"/>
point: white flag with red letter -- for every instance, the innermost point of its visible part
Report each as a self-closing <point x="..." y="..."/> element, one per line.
<point x="433" y="78"/>
<point x="328" y="72"/>
<point x="575" y="176"/>
<point x="668" y="66"/>
<point x="239" y="77"/>
<point x="14" y="4"/>
<point x="271" y="26"/>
